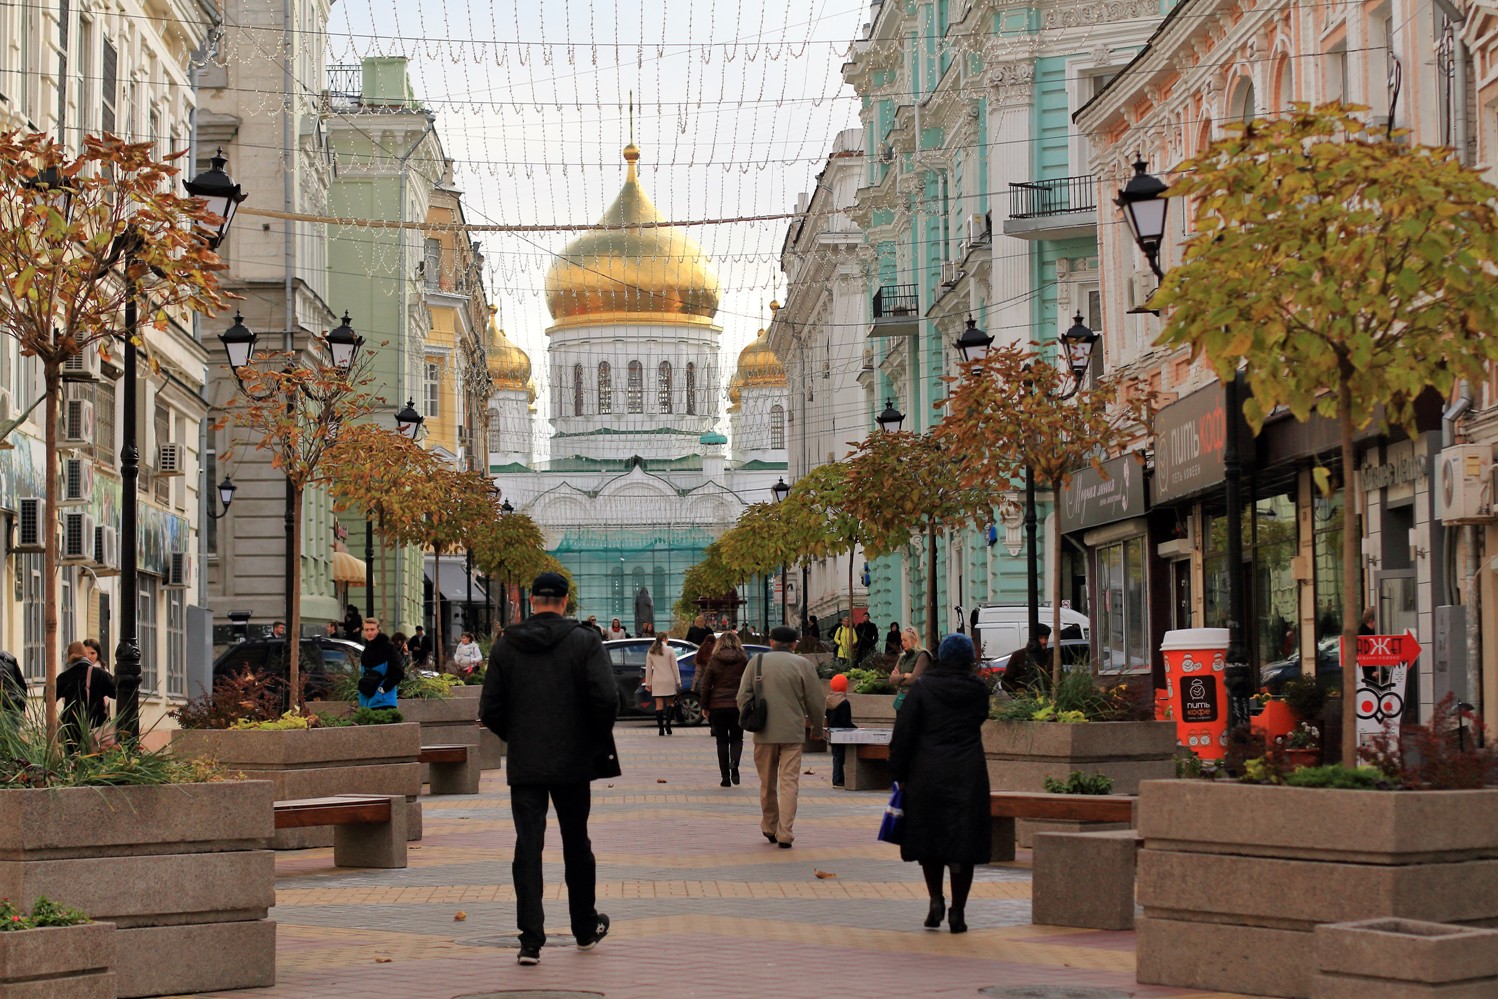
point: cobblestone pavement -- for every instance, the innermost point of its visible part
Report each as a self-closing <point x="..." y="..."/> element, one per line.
<point x="701" y="905"/>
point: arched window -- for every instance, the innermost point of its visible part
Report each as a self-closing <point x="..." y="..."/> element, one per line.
<point x="691" y="389"/>
<point x="605" y="388"/>
<point x="1243" y="101"/>
<point x="663" y="387"/>
<point x="577" y="390"/>
<point x="777" y="427"/>
<point x="496" y="432"/>
<point x="635" y="396"/>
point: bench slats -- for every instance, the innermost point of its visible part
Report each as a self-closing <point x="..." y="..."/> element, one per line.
<point x="1081" y="807"/>
<point x="868" y="751"/>
<point x="338" y="810"/>
<point x="443" y="754"/>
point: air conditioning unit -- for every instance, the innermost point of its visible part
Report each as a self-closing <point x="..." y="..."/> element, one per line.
<point x="106" y="550"/>
<point x="978" y="230"/>
<point x="1141" y="289"/>
<point x="77" y="536"/>
<point x="950" y="273"/>
<point x="78" y="422"/>
<point x="82" y="367"/>
<point x="1464" y="480"/>
<point x="179" y="571"/>
<point x="170" y="459"/>
<point x="29" y="525"/>
<point x="77" y="480"/>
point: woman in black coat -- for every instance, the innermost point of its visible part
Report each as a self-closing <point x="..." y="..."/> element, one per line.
<point x="936" y="753"/>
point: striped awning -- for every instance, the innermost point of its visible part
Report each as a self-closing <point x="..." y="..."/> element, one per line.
<point x="347" y="569"/>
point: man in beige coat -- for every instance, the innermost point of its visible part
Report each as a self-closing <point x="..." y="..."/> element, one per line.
<point x="794" y="701"/>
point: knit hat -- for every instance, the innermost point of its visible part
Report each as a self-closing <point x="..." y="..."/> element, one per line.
<point x="840" y="683"/>
<point x="956" y="647"/>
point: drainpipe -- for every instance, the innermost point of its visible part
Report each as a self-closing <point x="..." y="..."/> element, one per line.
<point x="1449" y="419"/>
<point x="1458" y="83"/>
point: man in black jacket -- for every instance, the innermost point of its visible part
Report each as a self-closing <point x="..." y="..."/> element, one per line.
<point x="550" y="694"/>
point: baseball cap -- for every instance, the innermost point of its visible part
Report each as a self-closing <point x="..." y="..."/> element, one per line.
<point x="550" y="584"/>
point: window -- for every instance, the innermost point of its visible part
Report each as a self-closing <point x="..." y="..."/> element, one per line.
<point x="635" y="396"/>
<point x="68" y="624"/>
<point x="210" y="524"/>
<point x="691" y="389"/>
<point x="104" y="442"/>
<point x="431" y="388"/>
<point x="162" y="424"/>
<point x="109" y="94"/>
<point x="176" y="643"/>
<point x="663" y="387"/>
<point x="30" y="570"/>
<point x="605" y="388"/>
<point x="145" y="629"/>
<point x="496" y="432"/>
<point x="777" y="427"/>
<point x="577" y="390"/>
<point x="431" y="263"/>
<point x="1122" y="635"/>
<point x="1244" y="101"/>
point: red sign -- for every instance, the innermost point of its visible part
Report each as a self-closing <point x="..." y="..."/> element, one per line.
<point x="1387" y="650"/>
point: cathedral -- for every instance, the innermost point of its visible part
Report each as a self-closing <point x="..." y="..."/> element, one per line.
<point x="640" y="479"/>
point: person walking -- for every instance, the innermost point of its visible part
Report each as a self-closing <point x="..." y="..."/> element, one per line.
<point x="813" y="629"/>
<point x="353" y="622"/>
<point x="1030" y="665"/>
<point x="662" y="680"/>
<point x="421" y="646"/>
<point x="550" y="694"/>
<point x="793" y="701"/>
<point x="699" y="630"/>
<point x="892" y="640"/>
<point x="380" y="671"/>
<point x="839" y="715"/>
<point x="83" y="690"/>
<point x="700" y="659"/>
<point x="719" y="697"/>
<point x="12" y="687"/>
<point x="616" y="631"/>
<point x="467" y="657"/>
<point x="331" y="630"/>
<point x="867" y="634"/>
<point x="842" y="641"/>
<point x="913" y="661"/>
<point x="936" y="753"/>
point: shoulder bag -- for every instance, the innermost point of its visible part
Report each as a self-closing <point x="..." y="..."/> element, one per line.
<point x="754" y="715"/>
<point x="892" y="826"/>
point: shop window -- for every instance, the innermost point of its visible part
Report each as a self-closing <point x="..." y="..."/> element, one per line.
<point x="1326" y="532"/>
<point x="1276" y="594"/>
<point x="1122" y="624"/>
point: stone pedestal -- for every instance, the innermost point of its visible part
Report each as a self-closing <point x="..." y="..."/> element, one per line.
<point x="316" y="763"/>
<point x="182" y="871"/>
<point x="1235" y="878"/>
<point x="1084" y="879"/>
<point x="1404" y="959"/>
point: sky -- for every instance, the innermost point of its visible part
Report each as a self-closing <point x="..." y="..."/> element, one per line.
<point x="736" y="108"/>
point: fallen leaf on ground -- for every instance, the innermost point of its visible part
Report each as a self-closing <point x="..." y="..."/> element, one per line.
<point x="808" y="771"/>
<point x="658" y="780"/>
<point x="383" y="960"/>
<point x="608" y="785"/>
<point x="823" y="874"/>
<point x="459" y="916"/>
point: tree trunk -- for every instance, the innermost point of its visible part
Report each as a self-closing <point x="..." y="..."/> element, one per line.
<point x="384" y="571"/>
<point x="1352" y="590"/>
<point x="438" y="623"/>
<point x="50" y="657"/>
<point x="294" y="613"/>
<point x="851" y="550"/>
<point x="932" y="635"/>
<point x="1055" y="560"/>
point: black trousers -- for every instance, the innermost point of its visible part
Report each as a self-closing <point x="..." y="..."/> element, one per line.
<point x="528" y="806"/>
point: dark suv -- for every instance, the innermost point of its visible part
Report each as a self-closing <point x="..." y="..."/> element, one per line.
<point x="322" y="660"/>
<point x="627" y="656"/>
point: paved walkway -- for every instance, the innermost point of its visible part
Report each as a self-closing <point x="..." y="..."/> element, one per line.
<point x="701" y="905"/>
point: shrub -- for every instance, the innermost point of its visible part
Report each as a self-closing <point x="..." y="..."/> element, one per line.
<point x="1442" y="755"/>
<point x="45" y="913"/>
<point x="1079" y="783"/>
<point x="1078" y="698"/>
<point x="1337" y="776"/>
<point x="427" y="688"/>
<point x="28" y="759"/>
<point x="239" y="696"/>
<point x="1306" y="697"/>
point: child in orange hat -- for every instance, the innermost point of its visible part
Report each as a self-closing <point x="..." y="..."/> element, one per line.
<point x="839" y="715"/>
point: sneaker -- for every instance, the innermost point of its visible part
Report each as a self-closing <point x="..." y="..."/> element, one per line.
<point x="603" y="931"/>
<point x="784" y="845"/>
<point x="528" y="955"/>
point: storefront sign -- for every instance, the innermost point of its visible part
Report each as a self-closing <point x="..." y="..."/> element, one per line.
<point x="1190" y="437"/>
<point x="1093" y="498"/>
<point x="1384" y="663"/>
<point x="1399" y="471"/>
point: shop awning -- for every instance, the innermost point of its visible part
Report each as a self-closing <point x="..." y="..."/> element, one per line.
<point x="347" y="569"/>
<point x="454" y="583"/>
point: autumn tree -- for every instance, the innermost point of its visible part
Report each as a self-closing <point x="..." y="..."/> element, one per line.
<point x="381" y="473"/>
<point x="87" y="244"/>
<point x="830" y="529"/>
<point x="901" y="485"/>
<point x="298" y="404"/>
<point x="1017" y="411"/>
<point x="506" y="548"/>
<point x="709" y="579"/>
<point x="1345" y="271"/>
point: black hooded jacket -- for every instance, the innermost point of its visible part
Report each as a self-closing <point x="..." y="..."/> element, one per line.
<point x="550" y="694"/>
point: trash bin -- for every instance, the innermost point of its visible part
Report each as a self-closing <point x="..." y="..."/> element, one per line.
<point x="1194" y="662"/>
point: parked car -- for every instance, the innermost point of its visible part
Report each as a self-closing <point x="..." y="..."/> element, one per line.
<point x="1328" y="667"/>
<point x="321" y="662"/>
<point x="1074" y="652"/>
<point x="627" y="656"/>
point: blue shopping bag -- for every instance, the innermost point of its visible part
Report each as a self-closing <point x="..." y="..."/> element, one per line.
<point x="892" y="827"/>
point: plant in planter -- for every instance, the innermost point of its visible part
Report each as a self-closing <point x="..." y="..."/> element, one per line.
<point x="1078" y="782"/>
<point x="868" y="681"/>
<point x="234" y="698"/>
<point x="45" y="913"/>
<point x="55" y="950"/>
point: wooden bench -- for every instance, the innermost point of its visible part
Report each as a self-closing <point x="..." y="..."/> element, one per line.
<point x="370" y="830"/>
<point x="454" y="769"/>
<point x="869" y="768"/>
<point x="1006" y="806"/>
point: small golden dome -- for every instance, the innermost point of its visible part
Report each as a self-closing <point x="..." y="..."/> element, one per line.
<point x="643" y="273"/>
<point x="509" y="366"/>
<point x="758" y="368"/>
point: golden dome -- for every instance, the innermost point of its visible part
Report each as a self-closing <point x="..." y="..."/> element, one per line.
<point x="758" y="368"/>
<point x="509" y="366"/>
<point x="650" y="274"/>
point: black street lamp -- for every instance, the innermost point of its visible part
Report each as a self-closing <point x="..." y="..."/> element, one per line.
<point x="226" y="490"/>
<point x="219" y="194"/>
<point x="780" y="491"/>
<point x="408" y="421"/>
<point x="891" y="419"/>
<point x="1144" y="201"/>
<point x="1078" y="342"/>
<point x="973" y="344"/>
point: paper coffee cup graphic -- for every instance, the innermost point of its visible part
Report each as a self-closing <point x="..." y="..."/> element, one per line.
<point x="1193" y="667"/>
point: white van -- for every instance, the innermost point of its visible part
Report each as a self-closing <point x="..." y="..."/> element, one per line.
<point x="1003" y="628"/>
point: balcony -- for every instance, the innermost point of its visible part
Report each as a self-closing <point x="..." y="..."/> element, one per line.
<point x="896" y="311"/>
<point x="1052" y="209"/>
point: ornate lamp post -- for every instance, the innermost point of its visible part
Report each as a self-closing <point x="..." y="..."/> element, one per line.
<point x="891" y="419"/>
<point x="780" y="491"/>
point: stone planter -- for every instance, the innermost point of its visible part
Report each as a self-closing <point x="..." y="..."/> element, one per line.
<point x="1231" y="874"/>
<point x="491" y="746"/>
<point x="181" y="871"/>
<point x="315" y="763"/>
<point x="1022" y="754"/>
<point x="873" y="710"/>
<point x="451" y="721"/>
<point x="1405" y="958"/>
<point x="60" y="962"/>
